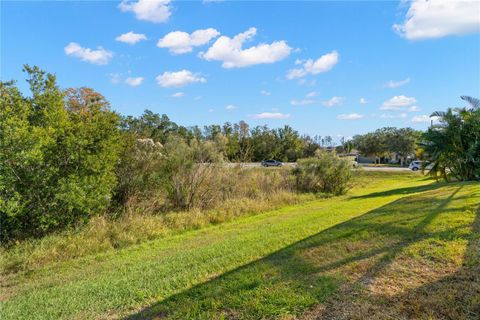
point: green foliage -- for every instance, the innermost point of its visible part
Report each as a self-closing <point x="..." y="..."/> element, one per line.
<point x="59" y="150"/>
<point x="453" y="146"/>
<point x="153" y="126"/>
<point x="325" y="172"/>
<point x="386" y="141"/>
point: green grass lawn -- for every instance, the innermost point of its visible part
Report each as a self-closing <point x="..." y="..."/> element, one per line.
<point x="395" y="245"/>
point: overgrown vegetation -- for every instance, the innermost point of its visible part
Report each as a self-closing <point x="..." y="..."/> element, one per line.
<point x="66" y="157"/>
<point x="453" y="145"/>
<point x="102" y="234"/>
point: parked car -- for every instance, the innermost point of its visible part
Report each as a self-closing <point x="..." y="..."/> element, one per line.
<point x="415" y="165"/>
<point x="272" y="163"/>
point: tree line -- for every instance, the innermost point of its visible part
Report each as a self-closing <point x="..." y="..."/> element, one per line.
<point x="238" y="141"/>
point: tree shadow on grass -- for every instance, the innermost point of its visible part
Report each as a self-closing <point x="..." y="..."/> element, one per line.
<point x="310" y="272"/>
<point x="402" y="191"/>
<point x="453" y="294"/>
<point x="456" y="296"/>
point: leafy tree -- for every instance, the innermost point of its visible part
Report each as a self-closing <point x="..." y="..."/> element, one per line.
<point x="385" y="141"/>
<point x="59" y="150"/>
<point x="291" y="143"/>
<point x="154" y="126"/>
<point x="371" y="144"/>
<point x="265" y="143"/>
<point x="401" y="141"/>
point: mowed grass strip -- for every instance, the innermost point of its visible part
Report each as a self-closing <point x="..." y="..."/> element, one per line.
<point x="122" y="282"/>
<point x="415" y="258"/>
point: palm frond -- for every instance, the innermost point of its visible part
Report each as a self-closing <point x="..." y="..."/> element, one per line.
<point x="440" y="114"/>
<point x="474" y="102"/>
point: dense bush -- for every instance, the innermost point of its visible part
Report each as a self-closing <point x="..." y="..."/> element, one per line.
<point x="65" y="157"/>
<point x="58" y="154"/>
<point x="188" y="173"/>
<point x="325" y="172"/>
<point x="139" y="176"/>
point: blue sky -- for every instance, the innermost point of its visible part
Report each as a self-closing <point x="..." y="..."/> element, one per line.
<point x="357" y="66"/>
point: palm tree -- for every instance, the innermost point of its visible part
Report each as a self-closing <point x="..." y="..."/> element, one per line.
<point x="453" y="145"/>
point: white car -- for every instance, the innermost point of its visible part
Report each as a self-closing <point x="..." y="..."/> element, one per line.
<point x="415" y="165"/>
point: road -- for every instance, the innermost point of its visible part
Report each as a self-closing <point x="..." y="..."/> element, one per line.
<point x="391" y="169"/>
<point x="293" y="164"/>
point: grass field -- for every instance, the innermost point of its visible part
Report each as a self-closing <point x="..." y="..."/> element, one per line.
<point x="396" y="246"/>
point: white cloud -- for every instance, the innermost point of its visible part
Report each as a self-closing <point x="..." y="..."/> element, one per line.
<point x="230" y="107"/>
<point x="322" y="64"/>
<point x="271" y="115"/>
<point x="131" y="37"/>
<point x="265" y="92"/>
<point x="178" y="78"/>
<point x="363" y="101"/>
<point x="439" y="18"/>
<point x="350" y="116"/>
<point x="178" y="95"/>
<point x="230" y="51"/>
<point x="302" y="102"/>
<point x="413" y="109"/>
<point x="420" y="119"/>
<point x="398" y="103"/>
<point x="134" y="82"/>
<point x="395" y="84"/>
<point x="334" y="101"/>
<point x="99" y="56"/>
<point x="311" y="94"/>
<point x="157" y="11"/>
<point x="393" y="116"/>
<point x="179" y="42"/>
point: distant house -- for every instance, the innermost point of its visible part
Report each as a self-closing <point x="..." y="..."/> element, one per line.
<point x="393" y="158"/>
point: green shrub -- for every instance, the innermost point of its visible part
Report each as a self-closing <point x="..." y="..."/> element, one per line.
<point x="58" y="154"/>
<point x="188" y="173"/>
<point x="325" y="172"/>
